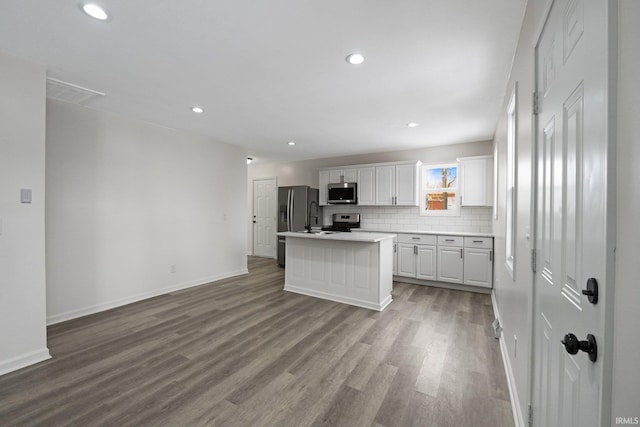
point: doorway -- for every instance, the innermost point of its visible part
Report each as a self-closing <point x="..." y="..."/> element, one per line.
<point x="264" y="217"/>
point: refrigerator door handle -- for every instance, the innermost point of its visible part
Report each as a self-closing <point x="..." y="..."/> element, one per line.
<point x="289" y="210"/>
<point x="288" y="206"/>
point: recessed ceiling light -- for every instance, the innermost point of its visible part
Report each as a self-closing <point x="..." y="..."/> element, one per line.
<point x="355" y="59"/>
<point x="412" y="124"/>
<point x="197" y="110"/>
<point x="291" y="143"/>
<point x="249" y="160"/>
<point x="95" y="11"/>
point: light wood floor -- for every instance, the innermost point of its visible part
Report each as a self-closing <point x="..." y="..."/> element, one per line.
<point x="242" y="352"/>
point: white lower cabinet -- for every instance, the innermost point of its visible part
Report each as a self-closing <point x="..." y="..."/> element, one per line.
<point x="450" y="261"/>
<point x="406" y="260"/>
<point x="478" y="261"/>
<point x="445" y="258"/>
<point x="426" y="265"/>
<point x="417" y="256"/>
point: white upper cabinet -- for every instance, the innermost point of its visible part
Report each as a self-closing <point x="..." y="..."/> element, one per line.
<point x="343" y="175"/>
<point x="323" y="183"/>
<point x="476" y="181"/>
<point x="367" y="186"/>
<point x="385" y="185"/>
<point x="398" y="184"/>
<point x="381" y="184"/>
<point x="407" y="177"/>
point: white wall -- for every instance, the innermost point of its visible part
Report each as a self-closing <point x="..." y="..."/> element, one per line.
<point x="626" y="375"/>
<point x="306" y="173"/>
<point x="23" y="339"/>
<point x="513" y="296"/>
<point x="127" y="200"/>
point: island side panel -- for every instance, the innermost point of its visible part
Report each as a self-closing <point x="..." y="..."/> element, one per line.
<point x="343" y="271"/>
<point x="385" y="253"/>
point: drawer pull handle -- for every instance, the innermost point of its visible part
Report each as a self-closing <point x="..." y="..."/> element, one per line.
<point x="415" y="238"/>
<point x="449" y="240"/>
<point x="477" y="241"/>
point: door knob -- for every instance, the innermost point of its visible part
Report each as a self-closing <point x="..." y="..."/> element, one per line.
<point x="572" y="344"/>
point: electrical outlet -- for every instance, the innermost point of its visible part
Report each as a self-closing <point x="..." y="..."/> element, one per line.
<point x="515" y="346"/>
<point x="173" y="268"/>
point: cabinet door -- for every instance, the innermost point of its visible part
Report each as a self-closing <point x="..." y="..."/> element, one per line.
<point x="350" y="175"/>
<point x="385" y="185"/>
<point x="476" y="182"/>
<point x="366" y="186"/>
<point x="478" y="267"/>
<point x="406" y="190"/>
<point x="336" y="176"/>
<point x="406" y="260"/>
<point x="426" y="262"/>
<point x="450" y="264"/>
<point x="323" y="183"/>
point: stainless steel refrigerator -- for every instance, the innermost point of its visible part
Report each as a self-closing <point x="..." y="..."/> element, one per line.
<point x="298" y="208"/>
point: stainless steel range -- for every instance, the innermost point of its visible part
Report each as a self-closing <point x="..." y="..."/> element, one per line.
<point x="344" y="222"/>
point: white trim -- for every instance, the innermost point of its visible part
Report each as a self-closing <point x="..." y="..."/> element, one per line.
<point x="518" y="419"/>
<point x="338" y="298"/>
<point x="24" y="360"/>
<point x="57" y="318"/>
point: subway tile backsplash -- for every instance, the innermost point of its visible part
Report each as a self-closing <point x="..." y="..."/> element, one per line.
<point x="471" y="220"/>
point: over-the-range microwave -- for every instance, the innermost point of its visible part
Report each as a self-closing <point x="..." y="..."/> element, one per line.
<point x="345" y="193"/>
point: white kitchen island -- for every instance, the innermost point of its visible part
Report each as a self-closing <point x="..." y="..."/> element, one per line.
<point x="353" y="268"/>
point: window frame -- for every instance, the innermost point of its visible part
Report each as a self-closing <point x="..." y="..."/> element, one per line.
<point x="424" y="190"/>
<point x="511" y="184"/>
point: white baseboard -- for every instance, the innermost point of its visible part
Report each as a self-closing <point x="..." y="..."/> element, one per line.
<point x="24" y="360"/>
<point x="518" y="419"/>
<point x="73" y="314"/>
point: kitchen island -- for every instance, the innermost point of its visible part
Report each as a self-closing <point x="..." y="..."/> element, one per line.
<point x="353" y="268"/>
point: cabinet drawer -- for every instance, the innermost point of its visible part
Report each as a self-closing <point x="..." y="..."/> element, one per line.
<point x="418" y="239"/>
<point x="450" y="241"/>
<point x="478" y="242"/>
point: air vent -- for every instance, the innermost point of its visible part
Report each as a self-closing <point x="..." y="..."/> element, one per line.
<point x="67" y="92"/>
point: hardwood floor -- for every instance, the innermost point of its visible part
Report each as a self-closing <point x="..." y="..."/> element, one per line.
<point x="242" y="352"/>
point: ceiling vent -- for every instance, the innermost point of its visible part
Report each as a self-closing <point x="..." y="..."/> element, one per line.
<point x="67" y="92"/>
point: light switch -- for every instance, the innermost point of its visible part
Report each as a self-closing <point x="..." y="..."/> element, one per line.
<point x="25" y="195"/>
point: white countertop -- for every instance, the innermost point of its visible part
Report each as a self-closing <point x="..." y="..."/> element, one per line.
<point x="440" y="233"/>
<point x="354" y="236"/>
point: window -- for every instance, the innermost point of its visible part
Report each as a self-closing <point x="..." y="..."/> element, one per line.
<point x="510" y="233"/>
<point x="439" y="190"/>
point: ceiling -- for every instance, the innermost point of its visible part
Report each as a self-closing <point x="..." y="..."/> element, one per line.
<point x="269" y="72"/>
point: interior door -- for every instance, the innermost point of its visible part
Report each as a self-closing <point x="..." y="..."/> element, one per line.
<point x="264" y="218"/>
<point x="571" y="208"/>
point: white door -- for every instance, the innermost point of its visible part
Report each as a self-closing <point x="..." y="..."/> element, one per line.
<point x="571" y="212"/>
<point x="264" y="217"/>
